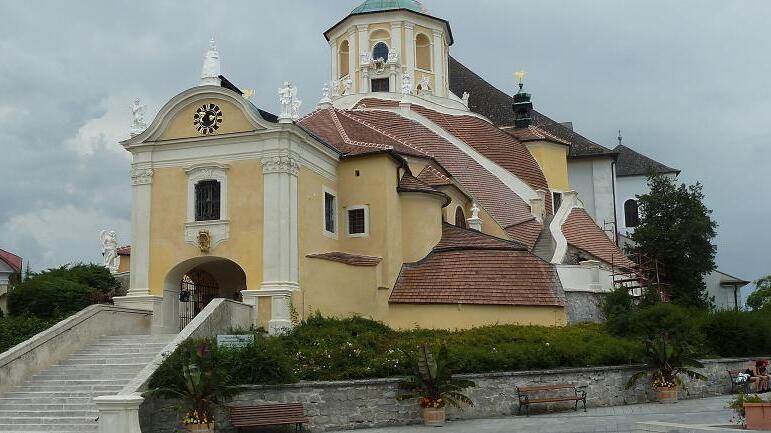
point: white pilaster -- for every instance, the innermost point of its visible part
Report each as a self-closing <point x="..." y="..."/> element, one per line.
<point x="280" y="239"/>
<point x="438" y="46"/>
<point x="363" y="31"/>
<point x="409" y="52"/>
<point x="353" y="56"/>
<point x="335" y="72"/>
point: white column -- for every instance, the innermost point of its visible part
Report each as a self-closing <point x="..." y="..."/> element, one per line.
<point x="138" y="295"/>
<point x="280" y="240"/>
<point x="409" y="52"/>
<point x="119" y="413"/>
<point x="396" y="42"/>
<point x="363" y="31"/>
<point x="438" y="45"/>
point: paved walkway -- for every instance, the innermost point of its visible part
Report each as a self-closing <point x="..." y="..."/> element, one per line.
<point x="622" y="419"/>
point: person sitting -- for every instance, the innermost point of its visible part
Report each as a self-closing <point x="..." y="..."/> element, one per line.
<point x="759" y="375"/>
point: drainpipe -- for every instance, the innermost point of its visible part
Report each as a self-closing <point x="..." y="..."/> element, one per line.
<point x="613" y="187"/>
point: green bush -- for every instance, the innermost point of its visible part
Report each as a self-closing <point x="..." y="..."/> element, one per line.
<point x="14" y="330"/>
<point x="679" y="323"/>
<point x="49" y="296"/>
<point x="617" y="307"/>
<point x="61" y="291"/>
<point x="339" y="349"/>
<point x="738" y="333"/>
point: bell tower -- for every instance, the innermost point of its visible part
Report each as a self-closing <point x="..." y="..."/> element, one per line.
<point x="390" y="46"/>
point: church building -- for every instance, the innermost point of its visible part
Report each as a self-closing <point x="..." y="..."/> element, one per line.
<point x="391" y="200"/>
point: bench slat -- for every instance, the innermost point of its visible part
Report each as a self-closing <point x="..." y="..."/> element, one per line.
<point x="545" y="387"/>
<point x="553" y="399"/>
<point x="268" y="414"/>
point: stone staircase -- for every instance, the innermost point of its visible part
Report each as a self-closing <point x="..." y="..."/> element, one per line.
<point x="60" y="399"/>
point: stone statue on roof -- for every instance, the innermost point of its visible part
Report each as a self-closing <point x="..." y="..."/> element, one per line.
<point x="138" y="114"/>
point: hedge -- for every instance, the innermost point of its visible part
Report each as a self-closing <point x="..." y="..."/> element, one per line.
<point x="14" y="330"/>
<point x="340" y="349"/>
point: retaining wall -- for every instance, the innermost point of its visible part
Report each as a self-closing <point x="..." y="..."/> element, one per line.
<point x="371" y="403"/>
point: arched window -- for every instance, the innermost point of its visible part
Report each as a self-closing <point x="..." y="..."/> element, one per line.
<point x="460" y="218"/>
<point x="380" y="51"/>
<point x="207" y="200"/>
<point x="423" y="52"/>
<point x="344" y="53"/>
<point x="631" y="213"/>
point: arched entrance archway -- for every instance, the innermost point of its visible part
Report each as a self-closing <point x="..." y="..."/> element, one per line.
<point x="192" y="284"/>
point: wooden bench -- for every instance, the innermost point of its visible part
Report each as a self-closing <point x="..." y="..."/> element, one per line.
<point x="732" y="374"/>
<point x="526" y="393"/>
<point x="268" y="415"/>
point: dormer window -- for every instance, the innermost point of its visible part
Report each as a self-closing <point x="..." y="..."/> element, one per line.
<point x="380" y="51"/>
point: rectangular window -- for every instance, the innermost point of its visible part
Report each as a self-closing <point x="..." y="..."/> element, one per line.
<point x="330" y="211"/>
<point x="556" y="201"/>
<point x="381" y="85"/>
<point x="357" y="221"/>
<point x="207" y="200"/>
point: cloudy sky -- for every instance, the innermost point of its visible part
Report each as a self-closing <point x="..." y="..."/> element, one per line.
<point x="686" y="81"/>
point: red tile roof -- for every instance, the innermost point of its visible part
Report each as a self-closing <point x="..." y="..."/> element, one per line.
<point x="124" y="251"/>
<point x="481" y="271"/>
<point x="14" y="261"/>
<point x="582" y="232"/>
<point x="408" y="183"/>
<point x="494" y="144"/>
<point x="348" y="259"/>
<point x="433" y="176"/>
<point x="533" y="133"/>
<point x="526" y="232"/>
<point x="490" y="192"/>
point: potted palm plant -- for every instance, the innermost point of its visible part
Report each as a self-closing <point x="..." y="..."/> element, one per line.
<point x="200" y="386"/>
<point x="665" y="361"/>
<point x="433" y="386"/>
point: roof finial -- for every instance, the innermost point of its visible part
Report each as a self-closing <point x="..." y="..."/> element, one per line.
<point x="520" y="75"/>
<point x="210" y="73"/>
<point x="620" y="138"/>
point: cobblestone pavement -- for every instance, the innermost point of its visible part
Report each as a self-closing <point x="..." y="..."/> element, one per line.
<point x="621" y="419"/>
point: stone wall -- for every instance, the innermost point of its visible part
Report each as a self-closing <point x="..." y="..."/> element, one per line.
<point x="584" y="307"/>
<point x="371" y="403"/>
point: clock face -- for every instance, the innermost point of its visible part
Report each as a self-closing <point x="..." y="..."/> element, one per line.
<point x="207" y="118"/>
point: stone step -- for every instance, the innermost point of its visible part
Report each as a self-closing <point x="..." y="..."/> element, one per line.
<point x="48" y="420"/>
<point x="38" y="405"/>
<point x="83" y="375"/>
<point x="74" y="383"/>
<point x="84" y="412"/>
<point x="59" y="428"/>
<point x="102" y="361"/>
<point x="65" y="388"/>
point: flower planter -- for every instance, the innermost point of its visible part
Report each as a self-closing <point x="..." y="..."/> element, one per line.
<point x="200" y="428"/>
<point x="758" y="416"/>
<point x="666" y="395"/>
<point x="433" y="417"/>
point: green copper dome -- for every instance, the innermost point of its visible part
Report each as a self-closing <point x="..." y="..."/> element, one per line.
<point x="387" y="5"/>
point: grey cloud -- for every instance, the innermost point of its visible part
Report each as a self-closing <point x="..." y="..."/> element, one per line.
<point x="685" y="81"/>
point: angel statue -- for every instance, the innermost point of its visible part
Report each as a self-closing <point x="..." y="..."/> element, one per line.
<point x="138" y="113"/>
<point x="109" y="249"/>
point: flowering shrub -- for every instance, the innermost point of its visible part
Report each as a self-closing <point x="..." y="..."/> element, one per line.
<point x="737" y="404"/>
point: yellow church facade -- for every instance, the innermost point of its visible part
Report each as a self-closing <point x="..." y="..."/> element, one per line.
<point x="390" y="200"/>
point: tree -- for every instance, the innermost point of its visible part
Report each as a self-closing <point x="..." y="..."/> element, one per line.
<point x="761" y="297"/>
<point x="677" y="230"/>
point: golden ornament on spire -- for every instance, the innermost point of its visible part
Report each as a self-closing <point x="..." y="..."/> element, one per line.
<point x="520" y="76"/>
<point x="248" y="93"/>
